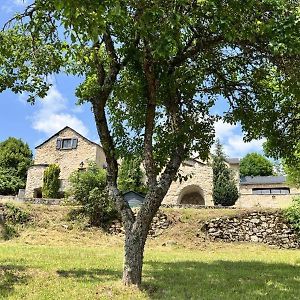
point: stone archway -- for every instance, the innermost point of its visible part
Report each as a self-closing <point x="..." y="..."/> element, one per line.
<point x="191" y="194"/>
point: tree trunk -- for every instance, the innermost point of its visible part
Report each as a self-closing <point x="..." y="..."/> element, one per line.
<point x="134" y="254"/>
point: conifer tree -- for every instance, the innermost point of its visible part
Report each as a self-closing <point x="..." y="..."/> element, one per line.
<point x="225" y="191"/>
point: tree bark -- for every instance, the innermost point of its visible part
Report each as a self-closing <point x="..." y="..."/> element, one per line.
<point x="133" y="259"/>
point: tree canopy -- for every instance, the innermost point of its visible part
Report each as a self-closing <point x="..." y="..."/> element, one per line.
<point x="15" y="159"/>
<point x="153" y="71"/>
<point x="255" y="164"/>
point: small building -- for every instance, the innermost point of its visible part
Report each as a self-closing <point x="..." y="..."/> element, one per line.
<point x="265" y="191"/>
<point x="134" y="199"/>
<point x="68" y="149"/>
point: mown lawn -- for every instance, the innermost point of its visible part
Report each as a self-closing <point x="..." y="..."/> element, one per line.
<point x="55" y="258"/>
<point x="220" y="271"/>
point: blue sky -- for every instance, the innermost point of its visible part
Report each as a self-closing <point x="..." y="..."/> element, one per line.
<point x="35" y="123"/>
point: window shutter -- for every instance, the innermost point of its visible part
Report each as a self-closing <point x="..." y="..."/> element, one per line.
<point x="74" y="143"/>
<point x="58" y="144"/>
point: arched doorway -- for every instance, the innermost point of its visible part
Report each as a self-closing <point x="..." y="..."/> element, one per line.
<point x="191" y="194"/>
<point x="37" y="193"/>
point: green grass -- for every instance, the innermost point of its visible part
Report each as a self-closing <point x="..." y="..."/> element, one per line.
<point x="49" y="261"/>
<point x="219" y="272"/>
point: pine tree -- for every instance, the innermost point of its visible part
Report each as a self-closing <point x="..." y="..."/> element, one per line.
<point x="225" y="191"/>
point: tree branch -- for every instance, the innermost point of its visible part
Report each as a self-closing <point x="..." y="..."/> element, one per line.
<point x="150" y="116"/>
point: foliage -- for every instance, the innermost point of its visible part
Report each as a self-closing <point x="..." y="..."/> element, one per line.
<point x="255" y="164"/>
<point x="131" y="177"/>
<point x="292" y="214"/>
<point x="8" y="231"/>
<point x="15" y="214"/>
<point x="225" y="191"/>
<point x="292" y="168"/>
<point x="51" y="183"/>
<point x="15" y="159"/>
<point x="89" y="189"/>
<point x="10" y="183"/>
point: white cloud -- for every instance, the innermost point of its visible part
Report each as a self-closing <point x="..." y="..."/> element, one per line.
<point x="232" y="139"/>
<point x="52" y="115"/>
<point x="224" y="130"/>
<point x="20" y="2"/>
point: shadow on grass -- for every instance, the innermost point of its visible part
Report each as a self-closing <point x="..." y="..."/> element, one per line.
<point x="94" y="275"/>
<point x="221" y="280"/>
<point x="10" y="275"/>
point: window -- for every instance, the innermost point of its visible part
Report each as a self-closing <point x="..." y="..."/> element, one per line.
<point x="66" y="144"/>
<point x="63" y="144"/>
<point x="271" y="191"/>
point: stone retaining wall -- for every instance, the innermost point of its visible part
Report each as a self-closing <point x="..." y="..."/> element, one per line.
<point x="159" y="223"/>
<point x="32" y="200"/>
<point x="259" y="227"/>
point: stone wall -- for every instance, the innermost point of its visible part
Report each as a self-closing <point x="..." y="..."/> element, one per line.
<point x="8" y="198"/>
<point x="201" y="182"/>
<point x="34" y="180"/>
<point x="266" y="201"/>
<point x="159" y="223"/>
<point x="259" y="227"/>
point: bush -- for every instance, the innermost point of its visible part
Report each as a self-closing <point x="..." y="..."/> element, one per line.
<point x="15" y="214"/>
<point x="51" y="183"/>
<point x="88" y="188"/>
<point x="292" y="214"/>
<point x="8" y="232"/>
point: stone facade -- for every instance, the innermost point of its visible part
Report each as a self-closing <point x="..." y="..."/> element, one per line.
<point x="197" y="189"/>
<point x="68" y="159"/>
<point x="248" y="200"/>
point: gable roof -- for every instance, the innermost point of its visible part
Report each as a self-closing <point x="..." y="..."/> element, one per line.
<point x="233" y="160"/>
<point x="67" y="127"/>
<point x="262" y="180"/>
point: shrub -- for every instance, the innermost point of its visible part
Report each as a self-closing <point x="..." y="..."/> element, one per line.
<point x="15" y="214"/>
<point x="89" y="189"/>
<point x="292" y="214"/>
<point x="8" y="232"/>
<point x="51" y="182"/>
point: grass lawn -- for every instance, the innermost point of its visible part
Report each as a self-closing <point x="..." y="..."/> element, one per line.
<point x="55" y="263"/>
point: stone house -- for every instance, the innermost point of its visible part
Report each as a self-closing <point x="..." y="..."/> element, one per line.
<point x="266" y="191"/>
<point x="198" y="188"/>
<point x="68" y="149"/>
<point x="72" y="151"/>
